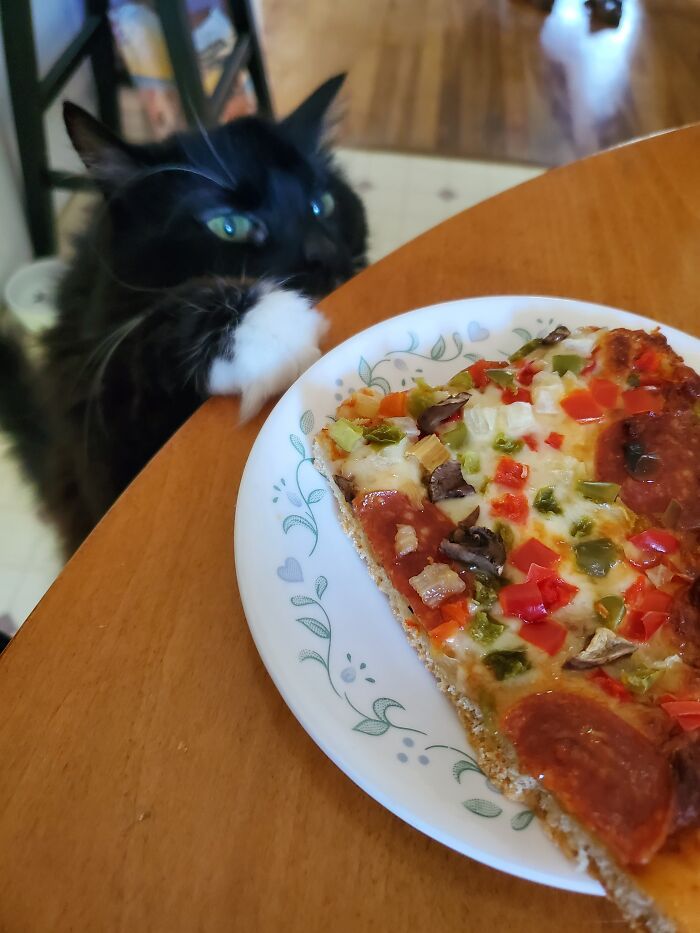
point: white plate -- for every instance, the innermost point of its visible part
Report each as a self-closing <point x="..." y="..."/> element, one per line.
<point x="324" y="631"/>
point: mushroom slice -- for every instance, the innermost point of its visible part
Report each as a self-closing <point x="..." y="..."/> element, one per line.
<point x="478" y="549"/>
<point x="440" y="412"/>
<point x="446" y="482"/>
<point x="346" y="486"/>
<point x="604" y="648"/>
<point x="555" y="336"/>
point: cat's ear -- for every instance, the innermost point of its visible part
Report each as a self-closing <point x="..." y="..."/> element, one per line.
<point x="107" y="157"/>
<point x="307" y="123"/>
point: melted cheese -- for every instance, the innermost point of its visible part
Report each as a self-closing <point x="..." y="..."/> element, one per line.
<point x="374" y="469"/>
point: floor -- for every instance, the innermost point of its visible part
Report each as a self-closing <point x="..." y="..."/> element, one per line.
<point x="490" y="79"/>
<point x="404" y="196"/>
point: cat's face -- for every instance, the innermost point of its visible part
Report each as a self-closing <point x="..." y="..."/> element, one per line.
<point x="249" y="199"/>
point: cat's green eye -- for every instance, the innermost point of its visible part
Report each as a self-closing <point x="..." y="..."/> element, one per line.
<point x="323" y="206"/>
<point x="234" y="228"/>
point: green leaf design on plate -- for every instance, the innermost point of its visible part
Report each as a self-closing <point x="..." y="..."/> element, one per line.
<point x="318" y="628"/>
<point x="381" y="705"/>
<point x="371" y="726"/>
<point x="524" y="335"/>
<point x="321" y="584"/>
<point x="315" y="496"/>
<point x="297" y="444"/>
<point x="302" y="601"/>
<point x="482" y="807"/>
<point x="458" y="342"/>
<point x="414" y="342"/>
<point x="292" y="520"/>
<point x="522" y="820"/>
<point x="382" y="384"/>
<point x="364" y="371"/>
<point x="306" y="422"/>
<point x="463" y="765"/>
<point x="306" y="654"/>
<point x="438" y="349"/>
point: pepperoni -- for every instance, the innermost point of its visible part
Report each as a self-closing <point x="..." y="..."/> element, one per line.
<point x="674" y="440"/>
<point x="685" y="622"/>
<point x="684" y="756"/>
<point x="379" y="513"/>
<point x="602" y="770"/>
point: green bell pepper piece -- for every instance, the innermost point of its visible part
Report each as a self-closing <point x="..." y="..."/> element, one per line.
<point x="345" y="433"/>
<point x="597" y="557"/>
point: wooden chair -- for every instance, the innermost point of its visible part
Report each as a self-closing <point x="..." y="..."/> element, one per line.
<point x="32" y="95"/>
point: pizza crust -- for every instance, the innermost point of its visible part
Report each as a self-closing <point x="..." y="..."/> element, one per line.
<point x="642" y="897"/>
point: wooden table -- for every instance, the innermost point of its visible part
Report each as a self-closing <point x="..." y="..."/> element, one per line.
<point x="151" y="777"/>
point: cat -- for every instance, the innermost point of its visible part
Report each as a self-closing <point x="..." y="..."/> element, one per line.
<point x="196" y="276"/>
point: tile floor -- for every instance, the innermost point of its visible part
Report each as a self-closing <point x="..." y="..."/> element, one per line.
<point x="404" y="196"/>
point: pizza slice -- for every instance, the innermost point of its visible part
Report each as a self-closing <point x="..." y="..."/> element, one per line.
<point x="534" y="523"/>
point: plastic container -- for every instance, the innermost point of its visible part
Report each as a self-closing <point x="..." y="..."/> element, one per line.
<point x="30" y="294"/>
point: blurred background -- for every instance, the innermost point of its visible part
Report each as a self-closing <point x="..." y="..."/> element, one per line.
<point x="447" y="102"/>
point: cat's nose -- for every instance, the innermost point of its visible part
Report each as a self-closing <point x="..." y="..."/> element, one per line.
<point x="318" y="247"/>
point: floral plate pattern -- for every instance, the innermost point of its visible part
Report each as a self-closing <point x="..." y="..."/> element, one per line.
<point x="324" y="631"/>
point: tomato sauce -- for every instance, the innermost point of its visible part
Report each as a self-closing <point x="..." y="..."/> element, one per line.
<point x="379" y="513"/>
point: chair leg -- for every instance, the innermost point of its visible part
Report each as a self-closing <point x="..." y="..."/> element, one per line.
<point x="183" y="57"/>
<point x="104" y="67"/>
<point x="244" y="22"/>
<point x="23" y="79"/>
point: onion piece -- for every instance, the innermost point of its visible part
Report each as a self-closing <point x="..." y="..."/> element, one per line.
<point x="436" y="583"/>
<point x="406" y="540"/>
<point x="660" y="575"/>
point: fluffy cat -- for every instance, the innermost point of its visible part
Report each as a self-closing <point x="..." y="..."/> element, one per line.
<point x="195" y="277"/>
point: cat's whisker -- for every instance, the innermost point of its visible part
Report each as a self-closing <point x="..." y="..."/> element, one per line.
<point x="207" y="139"/>
<point x="93" y="395"/>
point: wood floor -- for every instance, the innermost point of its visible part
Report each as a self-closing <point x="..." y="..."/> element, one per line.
<point x="493" y="79"/>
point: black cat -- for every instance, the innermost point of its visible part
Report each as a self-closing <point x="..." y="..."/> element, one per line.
<point x="196" y="277"/>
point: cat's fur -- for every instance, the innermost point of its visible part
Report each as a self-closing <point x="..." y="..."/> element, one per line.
<point x="156" y="312"/>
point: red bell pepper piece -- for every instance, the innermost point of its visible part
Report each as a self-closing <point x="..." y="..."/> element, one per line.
<point x="556" y="592"/>
<point x="511" y="473"/>
<point x="581" y="406"/>
<point x="547" y="635"/>
<point x="394" y="405"/>
<point x="455" y="611"/>
<point x="554" y="440"/>
<point x="648" y="610"/>
<point x="656" y="539"/>
<point x="685" y="712"/>
<point x="478" y="371"/>
<point x="527" y="372"/>
<point x="635" y="590"/>
<point x="654" y="600"/>
<point x="531" y="441"/>
<point x="512" y="506"/>
<point x="515" y="395"/>
<point x="605" y="392"/>
<point x="611" y="686"/>
<point x="641" y="400"/>
<point x="647" y="361"/>
<point x="533" y="552"/>
<point x="445" y="630"/>
<point x="523" y="601"/>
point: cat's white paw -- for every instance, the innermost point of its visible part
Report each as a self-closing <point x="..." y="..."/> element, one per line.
<point x="274" y="343"/>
